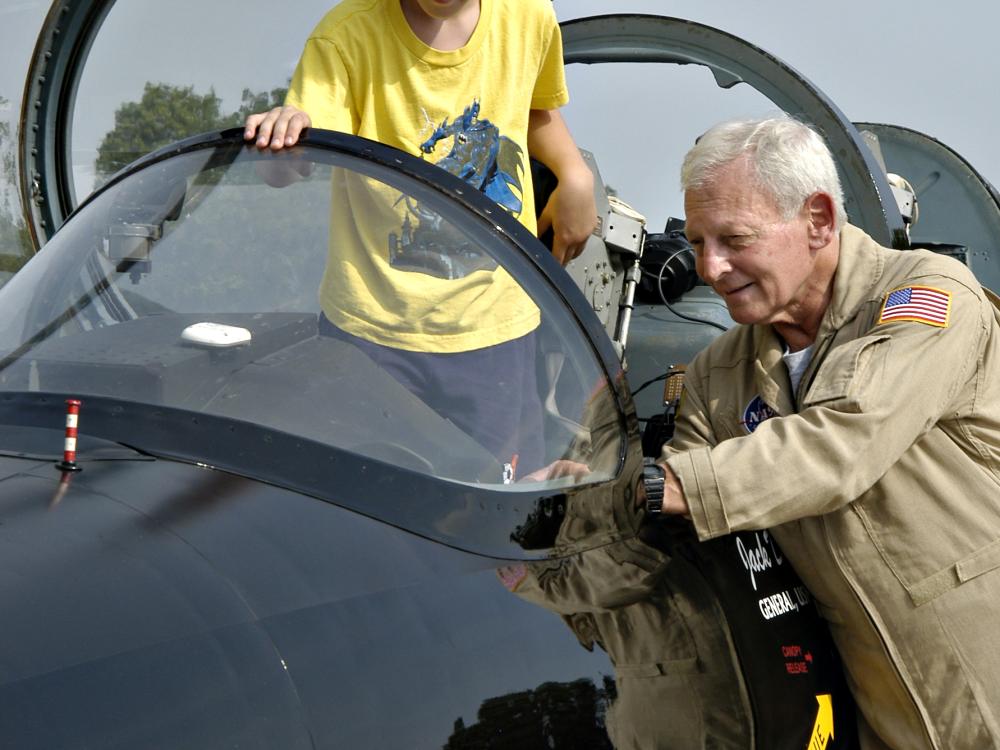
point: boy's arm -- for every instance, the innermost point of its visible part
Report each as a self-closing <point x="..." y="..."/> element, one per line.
<point x="571" y="211"/>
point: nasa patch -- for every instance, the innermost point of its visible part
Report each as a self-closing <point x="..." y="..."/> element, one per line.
<point x="755" y="413"/>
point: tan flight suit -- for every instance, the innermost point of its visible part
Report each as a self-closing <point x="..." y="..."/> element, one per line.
<point x="880" y="479"/>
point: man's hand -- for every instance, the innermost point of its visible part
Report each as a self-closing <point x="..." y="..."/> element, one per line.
<point x="674" y="501"/>
<point x="571" y="213"/>
<point x="558" y="469"/>
<point x="277" y="129"/>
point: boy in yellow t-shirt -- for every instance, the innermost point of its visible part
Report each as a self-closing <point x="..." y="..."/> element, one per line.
<point x="418" y="75"/>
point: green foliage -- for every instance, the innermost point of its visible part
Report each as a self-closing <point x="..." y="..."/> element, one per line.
<point x="257" y="102"/>
<point x="167" y="113"/>
<point x="164" y="114"/>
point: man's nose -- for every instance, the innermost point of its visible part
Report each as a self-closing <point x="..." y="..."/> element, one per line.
<point x="712" y="262"/>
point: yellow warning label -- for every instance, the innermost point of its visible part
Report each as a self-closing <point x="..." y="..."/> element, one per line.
<point x="823" y="728"/>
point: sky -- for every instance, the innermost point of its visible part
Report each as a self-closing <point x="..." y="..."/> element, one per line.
<point x="925" y="65"/>
<point x="904" y="63"/>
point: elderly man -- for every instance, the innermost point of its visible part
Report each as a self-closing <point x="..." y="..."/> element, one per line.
<point x="855" y="412"/>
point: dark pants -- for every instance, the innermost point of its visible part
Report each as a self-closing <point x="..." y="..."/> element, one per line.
<point x="491" y="394"/>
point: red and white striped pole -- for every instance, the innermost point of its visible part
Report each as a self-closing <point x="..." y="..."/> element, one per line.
<point x="72" y="422"/>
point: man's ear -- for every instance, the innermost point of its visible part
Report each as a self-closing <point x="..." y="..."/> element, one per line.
<point x="822" y="217"/>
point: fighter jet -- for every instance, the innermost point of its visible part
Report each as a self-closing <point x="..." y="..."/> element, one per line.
<point x="222" y="526"/>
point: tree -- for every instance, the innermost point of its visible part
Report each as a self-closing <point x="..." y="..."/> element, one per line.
<point x="164" y="114"/>
<point x="15" y="242"/>
<point x="259" y="102"/>
<point x="167" y="113"/>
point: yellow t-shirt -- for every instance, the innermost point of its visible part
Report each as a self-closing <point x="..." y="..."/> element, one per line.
<point x="389" y="277"/>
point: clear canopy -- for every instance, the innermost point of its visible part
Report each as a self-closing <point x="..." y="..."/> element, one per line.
<point x="322" y="295"/>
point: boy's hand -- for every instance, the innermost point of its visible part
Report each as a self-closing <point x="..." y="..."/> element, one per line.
<point x="571" y="213"/>
<point x="277" y="129"/>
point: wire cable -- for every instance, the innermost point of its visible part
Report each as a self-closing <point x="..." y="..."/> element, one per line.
<point x="659" y="288"/>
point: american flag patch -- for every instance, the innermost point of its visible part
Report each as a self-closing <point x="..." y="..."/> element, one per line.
<point x="921" y="304"/>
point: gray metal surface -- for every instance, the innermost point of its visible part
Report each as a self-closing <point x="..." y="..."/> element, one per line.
<point x="640" y="38"/>
<point x="57" y="63"/>
<point x="957" y="205"/>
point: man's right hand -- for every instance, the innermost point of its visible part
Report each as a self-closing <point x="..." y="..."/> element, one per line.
<point x="277" y="129"/>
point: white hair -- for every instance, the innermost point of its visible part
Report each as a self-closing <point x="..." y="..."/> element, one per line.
<point x="789" y="159"/>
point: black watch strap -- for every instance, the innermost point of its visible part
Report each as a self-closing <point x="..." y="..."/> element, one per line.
<point x="652" y="481"/>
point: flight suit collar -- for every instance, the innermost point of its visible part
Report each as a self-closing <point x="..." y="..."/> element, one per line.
<point x="859" y="269"/>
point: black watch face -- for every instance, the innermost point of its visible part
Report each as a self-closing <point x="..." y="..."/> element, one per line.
<point x="652" y="478"/>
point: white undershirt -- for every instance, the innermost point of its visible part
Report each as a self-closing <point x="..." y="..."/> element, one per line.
<point x="796" y="362"/>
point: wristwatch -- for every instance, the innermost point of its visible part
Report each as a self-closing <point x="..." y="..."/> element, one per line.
<point x="652" y="481"/>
